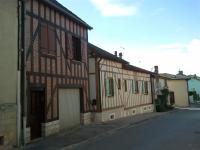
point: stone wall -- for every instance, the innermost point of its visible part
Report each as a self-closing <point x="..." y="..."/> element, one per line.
<point x="86" y="118"/>
<point x="120" y="112"/>
<point x="28" y="135"/>
<point x="50" y="128"/>
<point x="8" y="124"/>
<point x="108" y="115"/>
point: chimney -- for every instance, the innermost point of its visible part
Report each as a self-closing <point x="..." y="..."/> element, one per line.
<point x="120" y="55"/>
<point x="180" y="72"/>
<point x="115" y="53"/>
<point x="156" y="69"/>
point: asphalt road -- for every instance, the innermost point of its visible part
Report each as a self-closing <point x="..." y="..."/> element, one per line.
<point x="175" y="131"/>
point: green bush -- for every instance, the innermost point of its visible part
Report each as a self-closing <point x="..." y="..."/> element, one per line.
<point x="161" y="101"/>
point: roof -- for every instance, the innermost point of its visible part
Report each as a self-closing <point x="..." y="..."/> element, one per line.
<point x="131" y="67"/>
<point x="194" y="77"/>
<point x="102" y="53"/>
<point x="67" y="12"/>
<point x="174" y="77"/>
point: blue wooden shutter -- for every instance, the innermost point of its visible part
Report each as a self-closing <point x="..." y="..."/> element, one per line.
<point x="107" y="87"/>
<point x="142" y="86"/>
<point x="133" y="86"/>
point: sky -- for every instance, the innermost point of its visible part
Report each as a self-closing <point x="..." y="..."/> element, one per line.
<point x="148" y="32"/>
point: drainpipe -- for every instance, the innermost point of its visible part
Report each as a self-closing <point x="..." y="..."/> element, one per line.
<point x="152" y="90"/>
<point x="18" y="87"/>
<point x="187" y="92"/>
<point x="23" y="74"/>
<point x="98" y="91"/>
<point x="156" y="85"/>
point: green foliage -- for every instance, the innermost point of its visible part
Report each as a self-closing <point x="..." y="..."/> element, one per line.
<point x="190" y="93"/>
<point x="165" y="92"/>
<point x="161" y="101"/>
<point x="195" y="95"/>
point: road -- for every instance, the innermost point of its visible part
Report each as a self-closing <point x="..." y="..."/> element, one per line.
<point x="175" y="131"/>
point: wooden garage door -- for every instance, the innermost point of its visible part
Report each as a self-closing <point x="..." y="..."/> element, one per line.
<point x="69" y="108"/>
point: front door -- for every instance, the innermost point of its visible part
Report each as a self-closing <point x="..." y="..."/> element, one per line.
<point x="37" y="99"/>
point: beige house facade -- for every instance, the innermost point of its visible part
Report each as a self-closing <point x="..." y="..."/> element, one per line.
<point x="179" y="85"/>
<point x="180" y="89"/>
<point x="9" y="76"/>
<point x="117" y="89"/>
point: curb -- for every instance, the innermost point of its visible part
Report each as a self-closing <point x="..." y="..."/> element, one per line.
<point x="109" y="132"/>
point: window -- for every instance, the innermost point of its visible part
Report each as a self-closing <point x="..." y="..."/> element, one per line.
<point x="48" y="39"/>
<point x="119" y="83"/>
<point x="76" y="47"/>
<point x="135" y="88"/>
<point x="125" y="85"/>
<point x="145" y="87"/>
<point x="109" y="87"/>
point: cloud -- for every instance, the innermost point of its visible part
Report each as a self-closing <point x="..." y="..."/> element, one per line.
<point x="194" y="46"/>
<point x="114" y="8"/>
<point x="174" y="46"/>
<point x="169" y="57"/>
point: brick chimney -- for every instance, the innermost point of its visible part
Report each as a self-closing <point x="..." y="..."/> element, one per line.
<point x="115" y="53"/>
<point x="120" y="55"/>
<point x="180" y="72"/>
<point x="156" y="69"/>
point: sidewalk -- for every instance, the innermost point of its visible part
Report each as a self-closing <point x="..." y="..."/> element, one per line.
<point x="83" y="134"/>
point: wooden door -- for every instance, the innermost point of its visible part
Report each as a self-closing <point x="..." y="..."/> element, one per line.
<point x="37" y="99"/>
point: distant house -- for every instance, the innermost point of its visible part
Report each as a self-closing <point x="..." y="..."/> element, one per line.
<point x="160" y="84"/>
<point x="117" y="89"/>
<point x="44" y="70"/>
<point x="179" y="85"/>
<point x="194" y="86"/>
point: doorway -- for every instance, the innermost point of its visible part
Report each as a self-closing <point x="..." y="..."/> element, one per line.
<point x="37" y="109"/>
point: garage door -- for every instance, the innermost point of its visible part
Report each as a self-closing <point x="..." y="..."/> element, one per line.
<point x="69" y="108"/>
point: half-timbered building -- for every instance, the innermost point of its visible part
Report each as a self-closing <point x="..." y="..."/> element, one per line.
<point x="117" y="89"/>
<point x="56" y="69"/>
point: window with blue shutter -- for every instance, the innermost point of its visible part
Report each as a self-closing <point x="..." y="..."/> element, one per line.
<point x="119" y="83"/>
<point x="133" y="87"/>
<point x="145" y="87"/>
<point x="125" y="85"/>
<point x="142" y="86"/>
<point x="109" y="87"/>
<point x="136" y="87"/>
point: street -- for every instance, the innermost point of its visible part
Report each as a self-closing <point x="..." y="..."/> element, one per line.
<point x="175" y="131"/>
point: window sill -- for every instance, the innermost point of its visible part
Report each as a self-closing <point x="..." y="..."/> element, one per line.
<point x="110" y="96"/>
<point x="136" y="93"/>
<point x="48" y="55"/>
<point x="76" y="61"/>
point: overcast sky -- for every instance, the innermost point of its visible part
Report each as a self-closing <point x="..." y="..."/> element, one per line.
<point x="148" y="32"/>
